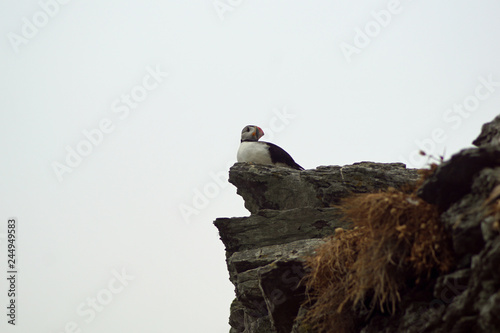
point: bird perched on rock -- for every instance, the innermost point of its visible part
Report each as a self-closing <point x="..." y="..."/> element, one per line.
<point x="259" y="152"/>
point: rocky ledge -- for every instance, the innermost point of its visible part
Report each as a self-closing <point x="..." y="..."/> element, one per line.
<point x="292" y="211"/>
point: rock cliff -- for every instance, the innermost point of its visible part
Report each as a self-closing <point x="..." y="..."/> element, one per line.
<point x="292" y="211"/>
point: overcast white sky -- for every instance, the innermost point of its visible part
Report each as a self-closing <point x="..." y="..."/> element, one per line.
<point x="119" y="120"/>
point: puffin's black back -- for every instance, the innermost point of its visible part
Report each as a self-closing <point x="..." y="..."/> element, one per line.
<point x="278" y="155"/>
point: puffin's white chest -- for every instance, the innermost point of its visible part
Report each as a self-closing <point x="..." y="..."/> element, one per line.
<point x="254" y="152"/>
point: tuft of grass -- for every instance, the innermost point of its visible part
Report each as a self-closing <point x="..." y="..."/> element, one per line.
<point x="327" y="283"/>
<point x="396" y="241"/>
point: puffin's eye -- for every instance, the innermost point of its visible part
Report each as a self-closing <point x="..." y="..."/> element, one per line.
<point x="247" y="129"/>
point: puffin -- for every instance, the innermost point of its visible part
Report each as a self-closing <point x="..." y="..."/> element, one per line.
<point x="260" y="152"/>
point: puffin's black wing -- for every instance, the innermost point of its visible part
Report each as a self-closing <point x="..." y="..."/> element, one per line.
<point x="278" y="155"/>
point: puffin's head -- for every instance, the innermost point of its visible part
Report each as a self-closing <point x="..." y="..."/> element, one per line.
<point x="251" y="133"/>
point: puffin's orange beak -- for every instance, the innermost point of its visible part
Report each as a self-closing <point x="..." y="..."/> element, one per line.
<point x="258" y="132"/>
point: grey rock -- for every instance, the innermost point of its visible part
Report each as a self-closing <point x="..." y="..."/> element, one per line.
<point x="270" y="227"/>
<point x="471" y="310"/>
<point x="466" y="218"/>
<point x="489" y="318"/>
<point x="237" y="317"/>
<point x="260" y="324"/>
<point x="490" y="134"/>
<point x="266" y="279"/>
<point x="453" y="179"/>
<point x="281" y="288"/>
<point x="452" y="285"/>
<point x="249" y="294"/>
<point x="291" y="213"/>
<point x="464" y="299"/>
<point x="269" y="187"/>
<point x="246" y="260"/>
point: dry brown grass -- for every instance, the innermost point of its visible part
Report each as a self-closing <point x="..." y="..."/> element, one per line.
<point x="396" y="241"/>
<point x="329" y="269"/>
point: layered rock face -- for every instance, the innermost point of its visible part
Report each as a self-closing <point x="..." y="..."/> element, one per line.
<point x="291" y="211"/>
